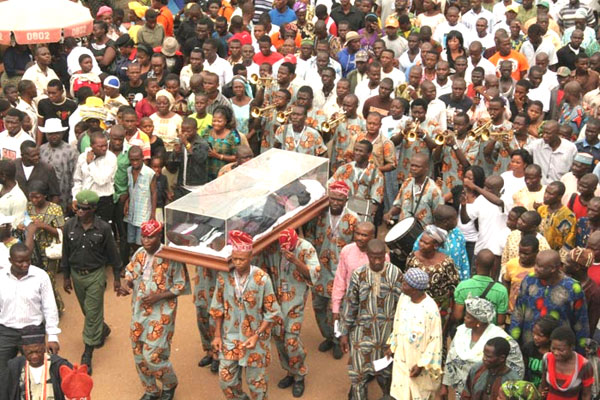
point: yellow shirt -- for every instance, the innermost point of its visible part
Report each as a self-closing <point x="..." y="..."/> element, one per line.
<point x="514" y="274"/>
<point x="558" y="227"/>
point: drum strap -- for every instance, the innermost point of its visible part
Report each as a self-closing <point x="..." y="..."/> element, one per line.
<point x="420" y="197"/>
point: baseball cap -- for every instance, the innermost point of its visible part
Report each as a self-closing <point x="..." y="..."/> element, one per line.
<point x="392" y="22"/>
<point x="563" y="71"/>
<point x="361" y="55"/>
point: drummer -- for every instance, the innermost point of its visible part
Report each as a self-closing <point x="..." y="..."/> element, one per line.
<point x="418" y="196"/>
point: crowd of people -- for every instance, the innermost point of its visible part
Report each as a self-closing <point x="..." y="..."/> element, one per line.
<point x="477" y="119"/>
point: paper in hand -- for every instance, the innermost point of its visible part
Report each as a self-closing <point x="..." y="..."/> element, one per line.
<point x="380" y="364"/>
<point x="336" y="329"/>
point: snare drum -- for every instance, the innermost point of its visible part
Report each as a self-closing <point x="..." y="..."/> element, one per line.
<point x="402" y="237"/>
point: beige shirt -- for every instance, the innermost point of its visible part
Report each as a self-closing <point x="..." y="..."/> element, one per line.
<point x="40" y="79"/>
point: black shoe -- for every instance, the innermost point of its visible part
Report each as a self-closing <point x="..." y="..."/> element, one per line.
<point x="325" y="345"/>
<point x="286" y="382"/>
<point x="105" y="333"/>
<point x="168" y="394"/>
<point x="214" y="366"/>
<point x="298" y="388"/>
<point x="206" y="360"/>
<point x="148" y="396"/>
<point x="337" y="351"/>
<point x="86" y="358"/>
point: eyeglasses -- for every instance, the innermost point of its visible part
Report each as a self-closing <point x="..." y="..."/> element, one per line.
<point x="84" y="208"/>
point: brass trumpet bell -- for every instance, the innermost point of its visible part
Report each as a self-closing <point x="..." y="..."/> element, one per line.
<point x="257" y="112"/>
<point x="282" y="116"/>
<point x="255" y="79"/>
<point x="332" y="123"/>
<point x="481" y="133"/>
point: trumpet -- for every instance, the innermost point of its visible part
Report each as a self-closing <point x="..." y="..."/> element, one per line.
<point x="282" y="116"/>
<point x="403" y="91"/>
<point x="332" y="123"/>
<point x="441" y="138"/>
<point x="502" y="135"/>
<point x="411" y="134"/>
<point x="480" y="133"/>
<point x="255" y="79"/>
<point x="257" y="112"/>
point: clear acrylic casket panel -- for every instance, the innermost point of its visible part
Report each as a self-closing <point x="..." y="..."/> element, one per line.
<point x="254" y="197"/>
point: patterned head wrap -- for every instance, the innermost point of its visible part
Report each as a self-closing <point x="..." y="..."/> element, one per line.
<point x="288" y="239"/>
<point x="417" y="278"/>
<point x="583" y="257"/>
<point x="340" y="187"/>
<point x="151" y="227"/>
<point x="240" y="241"/>
<point x="521" y="390"/>
<point x="169" y="96"/>
<point x="299" y="6"/>
<point x="436" y="233"/>
<point x="291" y="27"/>
<point x="481" y="309"/>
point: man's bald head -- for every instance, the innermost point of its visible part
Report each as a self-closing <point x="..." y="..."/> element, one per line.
<point x="484" y="262"/>
<point x="366" y="227"/>
<point x="495" y="182"/>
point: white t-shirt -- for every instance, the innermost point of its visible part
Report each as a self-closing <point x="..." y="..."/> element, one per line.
<point x="491" y="221"/>
<point x="512" y="185"/>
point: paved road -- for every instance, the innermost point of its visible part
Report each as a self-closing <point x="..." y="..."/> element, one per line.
<point x="114" y="371"/>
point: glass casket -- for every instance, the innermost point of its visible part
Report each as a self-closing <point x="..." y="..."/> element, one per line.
<point x="274" y="191"/>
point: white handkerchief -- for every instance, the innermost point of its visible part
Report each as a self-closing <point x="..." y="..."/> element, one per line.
<point x="382" y="363"/>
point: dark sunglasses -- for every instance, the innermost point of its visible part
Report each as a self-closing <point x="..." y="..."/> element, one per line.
<point x="84" y="208"/>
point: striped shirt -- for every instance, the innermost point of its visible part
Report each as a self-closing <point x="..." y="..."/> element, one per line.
<point x="566" y="16"/>
<point x="28" y="301"/>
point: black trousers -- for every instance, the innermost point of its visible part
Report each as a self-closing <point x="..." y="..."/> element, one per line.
<point x="10" y="340"/>
<point x="120" y="227"/>
<point x="105" y="208"/>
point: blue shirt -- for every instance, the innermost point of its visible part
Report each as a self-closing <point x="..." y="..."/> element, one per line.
<point x="278" y="18"/>
<point x="346" y="60"/>
<point x="584" y="147"/>
<point x="455" y="247"/>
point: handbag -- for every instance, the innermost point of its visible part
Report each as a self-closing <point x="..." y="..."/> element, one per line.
<point x="54" y="251"/>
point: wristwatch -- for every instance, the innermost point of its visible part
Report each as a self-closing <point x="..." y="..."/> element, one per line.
<point x="454" y="147"/>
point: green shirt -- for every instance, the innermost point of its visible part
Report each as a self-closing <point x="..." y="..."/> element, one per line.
<point x="121" y="183"/>
<point x="475" y="286"/>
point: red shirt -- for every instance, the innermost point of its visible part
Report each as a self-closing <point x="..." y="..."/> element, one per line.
<point x="594" y="272"/>
<point x="577" y="207"/>
<point x="259" y="58"/>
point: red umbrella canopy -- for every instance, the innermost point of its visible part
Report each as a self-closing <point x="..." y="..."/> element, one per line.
<point x="43" y="21"/>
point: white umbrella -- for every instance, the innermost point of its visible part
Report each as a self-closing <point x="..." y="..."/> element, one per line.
<point x="43" y="21"/>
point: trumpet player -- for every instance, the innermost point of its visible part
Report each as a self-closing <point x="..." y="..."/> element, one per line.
<point x="422" y="141"/>
<point x="298" y="137"/>
<point x="314" y="116"/>
<point x="383" y="154"/>
<point x="269" y="123"/>
<point x="351" y="126"/>
<point x="456" y="154"/>
<point x="498" y="148"/>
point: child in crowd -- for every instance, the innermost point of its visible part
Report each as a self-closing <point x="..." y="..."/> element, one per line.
<point x="163" y="194"/>
<point x="85" y="77"/>
<point x="533" y="352"/>
<point x="113" y="98"/>
<point x="565" y="373"/>
<point x="192" y="154"/>
<point x="157" y="147"/>
<point x="203" y="119"/>
<point x="536" y="116"/>
<point x="11" y="94"/>
<point x="140" y="206"/>
<point x="518" y="268"/>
